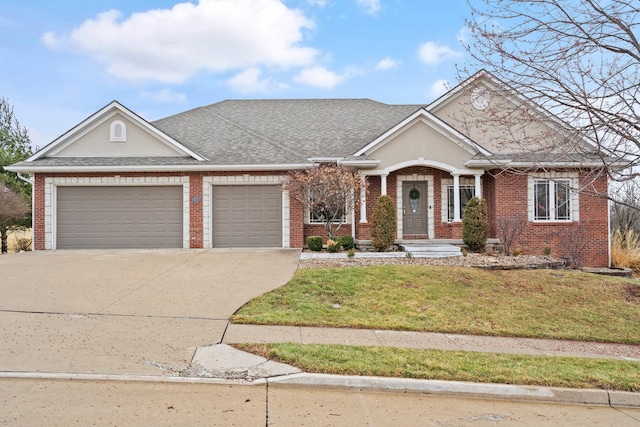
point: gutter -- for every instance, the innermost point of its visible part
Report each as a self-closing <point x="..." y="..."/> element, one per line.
<point x="511" y="164"/>
<point x="159" y="168"/>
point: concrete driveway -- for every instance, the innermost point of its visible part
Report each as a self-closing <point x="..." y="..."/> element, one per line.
<point x="136" y="312"/>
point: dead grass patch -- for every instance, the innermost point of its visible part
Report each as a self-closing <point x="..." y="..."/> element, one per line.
<point x="16" y="239"/>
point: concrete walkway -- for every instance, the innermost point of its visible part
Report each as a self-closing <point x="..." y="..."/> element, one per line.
<point x="237" y="333"/>
<point x="222" y="361"/>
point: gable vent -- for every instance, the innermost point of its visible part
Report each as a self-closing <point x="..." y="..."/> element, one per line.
<point x="118" y="131"/>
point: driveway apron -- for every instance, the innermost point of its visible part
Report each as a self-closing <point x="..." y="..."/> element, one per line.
<point x="130" y="311"/>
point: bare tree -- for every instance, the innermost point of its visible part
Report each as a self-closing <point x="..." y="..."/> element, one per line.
<point x="509" y="229"/>
<point x="575" y="243"/>
<point x="578" y="60"/>
<point x="625" y="213"/>
<point x="329" y="193"/>
<point x="13" y="208"/>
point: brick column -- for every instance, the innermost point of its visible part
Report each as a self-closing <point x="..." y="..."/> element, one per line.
<point x="195" y="210"/>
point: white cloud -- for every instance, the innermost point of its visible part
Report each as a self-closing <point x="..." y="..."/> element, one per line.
<point x="249" y="81"/>
<point x="463" y="35"/>
<point x="388" y="63"/>
<point x="372" y="6"/>
<point x="440" y="87"/>
<point x="50" y="40"/>
<point x="171" y="45"/>
<point x="432" y="53"/>
<point x="321" y="77"/>
<point x="165" y="96"/>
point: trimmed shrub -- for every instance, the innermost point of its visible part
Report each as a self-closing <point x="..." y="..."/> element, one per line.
<point x="314" y="243"/>
<point x="347" y="242"/>
<point x="383" y="224"/>
<point x="475" y="224"/>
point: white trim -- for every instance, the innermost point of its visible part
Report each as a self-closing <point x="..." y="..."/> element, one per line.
<point x="360" y="163"/>
<point x="423" y="162"/>
<point x="208" y="182"/>
<point x="157" y="168"/>
<point x="574" y="211"/>
<point x="51" y="185"/>
<point x="488" y="163"/>
<point x="363" y="200"/>
<point x="430" y="202"/>
<point x="99" y="118"/>
<point x="477" y="178"/>
<point x="325" y="159"/>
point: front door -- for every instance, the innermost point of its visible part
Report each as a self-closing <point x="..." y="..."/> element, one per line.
<point x="414" y="196"/>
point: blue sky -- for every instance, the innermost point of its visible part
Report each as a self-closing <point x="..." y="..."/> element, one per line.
<point x="63" y="60"/>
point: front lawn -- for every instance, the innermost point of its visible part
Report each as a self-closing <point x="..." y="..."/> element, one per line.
<point x="456" y="365"/>
<point x="524" y="303"/>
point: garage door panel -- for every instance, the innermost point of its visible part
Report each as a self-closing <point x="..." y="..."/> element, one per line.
<point x="119" y="217"/>
<point x="247" y="216"/>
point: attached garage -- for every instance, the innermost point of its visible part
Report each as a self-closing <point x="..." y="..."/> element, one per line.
<point x="247" y="216"/>
<point x="119" y="217"/>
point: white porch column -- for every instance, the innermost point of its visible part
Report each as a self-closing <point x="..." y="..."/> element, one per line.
<point x="456" y="197"/>
<point x="383" y="184"/>
<point x="353" y="214"/>
<point x="478" y="186"/>
<point x="363" y="199"/>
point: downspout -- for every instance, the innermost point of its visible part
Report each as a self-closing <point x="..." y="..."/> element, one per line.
<point x="30" y="182"/>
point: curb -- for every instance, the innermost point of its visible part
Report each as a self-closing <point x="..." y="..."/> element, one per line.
<point x="381" y="384"/>
<point x="464" y="389"/>
<point x="123" y="377"/>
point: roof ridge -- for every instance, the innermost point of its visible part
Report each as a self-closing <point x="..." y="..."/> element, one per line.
<point x="258" y="135"/>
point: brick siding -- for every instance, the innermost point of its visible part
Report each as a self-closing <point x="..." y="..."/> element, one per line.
<point x="505" y="194"/>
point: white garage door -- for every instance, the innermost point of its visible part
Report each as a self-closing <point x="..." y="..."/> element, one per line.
<point x="119" y="217"/>
<point x="247" y="216"/>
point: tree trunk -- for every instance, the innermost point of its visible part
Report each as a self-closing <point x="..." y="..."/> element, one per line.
<point x="3" y="237"/>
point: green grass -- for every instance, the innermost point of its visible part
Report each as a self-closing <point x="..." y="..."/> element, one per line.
<point x="525" y="303"/>
<point x="456" y="365"/>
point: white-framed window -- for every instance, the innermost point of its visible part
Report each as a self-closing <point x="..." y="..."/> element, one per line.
<point x="467" y="192"/>
<point x="118" y="131"/>
<point x="318" y="215"/>
<point x="552" y="199"/>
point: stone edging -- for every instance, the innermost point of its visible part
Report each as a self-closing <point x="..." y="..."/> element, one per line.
<point x="543" y="265"/>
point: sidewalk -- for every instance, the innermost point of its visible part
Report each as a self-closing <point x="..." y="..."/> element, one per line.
<point x="224" y="362"/>
<point x="236" y="334"/>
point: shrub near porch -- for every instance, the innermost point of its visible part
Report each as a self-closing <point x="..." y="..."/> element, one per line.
<point x="526" y="303"/>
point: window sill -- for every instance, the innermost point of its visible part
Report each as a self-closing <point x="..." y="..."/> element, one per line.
<point x="554" y="222"/>
<point x="322" y="223"/>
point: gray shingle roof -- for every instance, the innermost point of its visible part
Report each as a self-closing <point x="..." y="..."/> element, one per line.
<point x="282" y="131"/>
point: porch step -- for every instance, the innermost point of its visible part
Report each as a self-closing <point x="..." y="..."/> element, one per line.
<point x="431" y="250"/>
